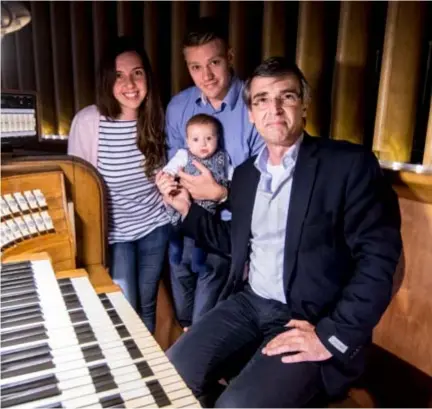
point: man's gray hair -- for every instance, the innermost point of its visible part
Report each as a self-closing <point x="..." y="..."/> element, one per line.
<point x="278" y="67"/>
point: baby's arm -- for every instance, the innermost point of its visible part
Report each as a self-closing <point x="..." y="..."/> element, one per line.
<point x="177" y="162"/>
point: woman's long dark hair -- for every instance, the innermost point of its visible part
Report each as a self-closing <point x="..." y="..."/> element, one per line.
<point x="150" y="120"/>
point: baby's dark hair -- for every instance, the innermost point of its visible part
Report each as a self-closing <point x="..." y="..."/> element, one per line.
<point x="204" y="119"/>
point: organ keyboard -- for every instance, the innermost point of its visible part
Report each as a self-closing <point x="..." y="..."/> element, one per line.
<point x="64" y="345"/>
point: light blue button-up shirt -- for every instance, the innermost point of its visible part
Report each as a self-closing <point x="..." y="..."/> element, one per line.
<point x="240" y="137"/>
<point x="269" y="219"/>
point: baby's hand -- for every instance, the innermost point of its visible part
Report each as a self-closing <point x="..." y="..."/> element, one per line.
<point x="166" y="183"/>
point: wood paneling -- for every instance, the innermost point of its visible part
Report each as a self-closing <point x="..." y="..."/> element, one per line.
<point x="209" y="8"/>
<point x="150" y="33"/>
<point x="273" y="35"/>
<point x="43" y="57"/>
<point x="62" y="65"/>
<point x="427" y="157"/>
<point x="25" y="59"/>
<point x="124" y="18"/>
<point x="100" y="34"/>
<point x="315" y="47"/>
<point x="400" y="75"/>
<point x="338" y="46"/>
<point x="237" y="36"/>
<point x="9" y="62"/>
<point x="350" y="72"/>
<point x="82" y="54"/>
<point x="179" y="73"/>
<point x="409" y="314"/>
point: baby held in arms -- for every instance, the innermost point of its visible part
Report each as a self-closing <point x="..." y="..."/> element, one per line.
<point x="203" y="137"/>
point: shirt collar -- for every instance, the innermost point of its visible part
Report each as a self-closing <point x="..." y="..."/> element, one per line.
<point x="230" y="98"/>
<point x="289" y="159"/>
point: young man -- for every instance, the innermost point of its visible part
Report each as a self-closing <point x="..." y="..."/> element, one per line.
<point x="217" y="92"/>
<point x="317" y="229"/>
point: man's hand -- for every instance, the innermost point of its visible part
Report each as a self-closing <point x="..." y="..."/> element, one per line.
<point x="301" y="339"/>
<point x="203" y="186"/>
<point x="174" y="195"/>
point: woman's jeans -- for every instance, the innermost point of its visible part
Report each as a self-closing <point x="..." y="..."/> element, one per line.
<point x="136" y="266"/>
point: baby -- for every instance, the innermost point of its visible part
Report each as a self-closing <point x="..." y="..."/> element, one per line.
<point x="203" y="145"/>
<point x="203" y="142"/>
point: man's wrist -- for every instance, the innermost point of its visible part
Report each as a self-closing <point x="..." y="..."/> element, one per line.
<point x="220" y="194"/>
<point x="185" y="212"/>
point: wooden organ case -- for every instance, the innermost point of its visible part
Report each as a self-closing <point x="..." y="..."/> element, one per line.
<point x="55" y="205"/>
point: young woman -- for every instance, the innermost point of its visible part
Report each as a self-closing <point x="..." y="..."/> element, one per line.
<point x="123" y="137"/>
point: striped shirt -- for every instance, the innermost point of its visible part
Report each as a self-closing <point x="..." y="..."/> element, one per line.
<point x="135" y="206"/>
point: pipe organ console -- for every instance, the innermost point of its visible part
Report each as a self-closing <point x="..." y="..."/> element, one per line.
<point x="64" y="345"/>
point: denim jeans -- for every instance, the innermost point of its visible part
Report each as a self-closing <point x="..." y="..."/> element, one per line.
<point x="176" y="248"/>
<point x="136" y="266"/>
<point x="195" y="285"/>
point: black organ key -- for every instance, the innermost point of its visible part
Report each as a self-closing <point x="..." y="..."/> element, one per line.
<point x="16" y="282"/>
<point x="34" y="363"/>
<point x="21" y="316"/>
<point x="29" y="297"/>
<point x="122" y="331"/>
<point x="158" y="393"/>
<point x="77" y="316"/>
<point x="13" y="267"/>
<point x="115" y="318"/>
<point x="133" y="349"/>
<point x="113" y="401"/>
<point x="64" y="281"/>
<point x="67" y="289"/>
<point x="36" y="333"/>
<point x="92" y="353"/>
<point x="106" y="302"/>
<point x="29" y="390"/>
<point x="102" y="378"/>
<point x="72" y="301"/>
<point x="18" y="289"/>
<point x="84" y="333"/>
<point x="144" y="369"/>
<point x="23" y="353"/>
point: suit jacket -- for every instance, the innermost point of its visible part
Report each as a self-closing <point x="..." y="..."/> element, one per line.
<point x="342" y="245"/>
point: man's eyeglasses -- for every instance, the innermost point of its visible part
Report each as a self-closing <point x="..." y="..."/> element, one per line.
<point x="289" y="99"/>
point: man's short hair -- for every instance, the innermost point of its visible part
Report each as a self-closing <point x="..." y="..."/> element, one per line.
<point x="277" y="67"/>
<point x="204" y="30"/>
<point x="204" y="119"/>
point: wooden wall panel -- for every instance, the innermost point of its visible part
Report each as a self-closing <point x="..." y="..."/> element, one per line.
<point x="100" y="34"/>
<point x="43" y="57"/>
<point x="124" y="18"/>
<point x="427" y="158"/>
<point x="399" y="83"/>
<point x="25" y="58"/>
<point x="62" y="65"/>
<point x="338" y="46"/>
<point x="82" y="54"/>
<point x="237" y="36"/>
<point x="273" y="34"/>
<point x="350" y="73"/>
<point x="9" y="62"/>
<point x="209" y="8"/>
<point x="150" y="31"/>
<point x="316" y="45"/>
<point x="180" y="75"/>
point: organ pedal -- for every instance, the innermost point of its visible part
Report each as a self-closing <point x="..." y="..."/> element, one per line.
<point x="64" y="345"/>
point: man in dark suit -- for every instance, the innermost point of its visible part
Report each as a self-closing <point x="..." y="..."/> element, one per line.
<point x="314" y="242"/>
